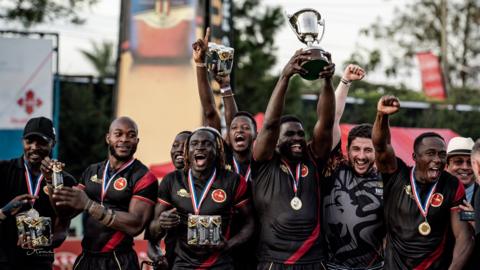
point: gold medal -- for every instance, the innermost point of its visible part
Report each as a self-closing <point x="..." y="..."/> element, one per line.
<point x="424" y="228"/>
<point x="296" y="203"/>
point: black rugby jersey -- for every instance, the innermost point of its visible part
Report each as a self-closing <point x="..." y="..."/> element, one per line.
<point x="287" y="236"/>
<point x="353" y="217"/>
<point x="406" y="247"/>
<point x="13" y="183"/>
<point x="228" y="190"/>
<point x="133" y="182"/>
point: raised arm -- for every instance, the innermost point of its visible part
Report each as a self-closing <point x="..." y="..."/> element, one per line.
<point x="228" y="100"/>
<point x="268" y="136"/>
<point x="322" y="132"/>
<point x="350" y="74"/>
<point x="200" y="47"/>
<point x="464" y="241"/>
<point x="384" y="154"/>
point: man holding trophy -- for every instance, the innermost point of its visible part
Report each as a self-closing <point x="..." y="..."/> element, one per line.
<point x="285" y="169"/>
<point x="30" y="226"/>
<point x="198" y="201"/>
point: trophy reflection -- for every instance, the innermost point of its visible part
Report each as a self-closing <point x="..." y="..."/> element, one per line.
<point x="306" y="24"/>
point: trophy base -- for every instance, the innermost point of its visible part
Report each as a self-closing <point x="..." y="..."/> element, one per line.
<point x="316" y="65"/>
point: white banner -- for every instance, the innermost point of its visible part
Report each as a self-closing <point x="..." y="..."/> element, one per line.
<point x="26" y="78"/>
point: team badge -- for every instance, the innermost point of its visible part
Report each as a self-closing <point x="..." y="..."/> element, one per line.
<point x="284" y="168"/>
<point x="95" y="179"/>
<point x="45" y="190"/>
<point x="219" y="196"/>
<point x="183" y="193"/>
<point x="120" y="184"/>
<point x="304" y="170"/>
<point x="437" y="200"/>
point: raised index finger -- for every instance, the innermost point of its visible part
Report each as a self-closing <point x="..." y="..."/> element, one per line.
<point x="207" y="35"/>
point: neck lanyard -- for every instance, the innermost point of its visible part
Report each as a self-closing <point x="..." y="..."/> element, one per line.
<point x="108" y="179"/>
<point x="236" y="166"/>
<point x="422" y="206"/>
<point x="33" y="188"/>
<point x="296" y="178"/>
<point x="191" y="185"/>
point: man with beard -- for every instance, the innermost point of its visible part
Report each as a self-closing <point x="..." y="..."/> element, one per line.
<point x="204" y="187"/>
<point x="421" y="203"/>
<point x="241" y="133"/>
<point x="352" y="194"/>
<point x="118" y="196"/>
<point x="26" y="186"/>
<point x="178" y="160"/>
<point x="285" y="176"/>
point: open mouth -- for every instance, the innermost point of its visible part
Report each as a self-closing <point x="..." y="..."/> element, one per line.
<point x="296" y="148"/>
<point x="433" y="173"/>
<point x="200" y="159"/>
<point x="179" y="159"/>
<point x="240" y="140"/>
<point x="361" y="164"/>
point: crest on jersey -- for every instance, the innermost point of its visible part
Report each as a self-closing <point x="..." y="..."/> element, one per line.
<point x="95" y="179"/>
<point x="304" y="170"/>
<point x="219" y="195"/>
<point x="183" y="193"/>
<point x="408" y="190"/>
<point x="45" y="190"/>
<point x="120" y="184"/>
<point x="437" y="200"/>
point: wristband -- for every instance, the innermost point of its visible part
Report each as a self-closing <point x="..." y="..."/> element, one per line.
<point x="228" y="95"/>
<point x="345" y="81"/>
<point x="201" y="65"/>
<point x="225" y="89"/>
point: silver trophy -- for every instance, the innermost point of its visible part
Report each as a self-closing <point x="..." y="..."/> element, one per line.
<point x="37" y="228"/>
<point x="306" y="24"/>
<point x="219" y="59"/>
<point x="57" y="177"/>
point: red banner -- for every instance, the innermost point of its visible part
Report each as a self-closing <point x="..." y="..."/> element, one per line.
<point x="432" y="80"/>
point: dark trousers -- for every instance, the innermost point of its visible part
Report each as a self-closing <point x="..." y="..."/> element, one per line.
<point x="107" y="261"/>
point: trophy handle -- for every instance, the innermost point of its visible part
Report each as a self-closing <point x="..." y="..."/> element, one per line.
<point x="321" y="22"/>
<point x="289" y="19"/>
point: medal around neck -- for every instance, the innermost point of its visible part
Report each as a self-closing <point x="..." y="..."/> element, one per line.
<point x="424" y="228"/>
<point x="204" y="230"/>
<point x="38" y="228"/>
<point x="296" y="203"/>
<point x="306" y="24"/>
<point x="219" y="59"/>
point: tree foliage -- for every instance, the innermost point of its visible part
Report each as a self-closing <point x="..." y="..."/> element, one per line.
<point x="101" y="58"/>
<point x="417" y="27"/>
<point x="31" y="12"/>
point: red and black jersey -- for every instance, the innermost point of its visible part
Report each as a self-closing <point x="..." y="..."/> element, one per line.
<point x="133" y="182"/>
<point x="13" y="180"/>
<point x="287" y="236"/>
<point x="241" y="168"/>
<point x="228" y="190"/>
<point x="406" y="247"/>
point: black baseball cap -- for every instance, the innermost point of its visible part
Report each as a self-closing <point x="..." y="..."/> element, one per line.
<point x="40" y="126"/>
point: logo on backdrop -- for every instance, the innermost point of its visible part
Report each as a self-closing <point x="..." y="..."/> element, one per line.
<point x="30" y="101"/>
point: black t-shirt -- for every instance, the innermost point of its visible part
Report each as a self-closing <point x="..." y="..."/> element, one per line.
<point x="353" y="217"/>
<point x="14" y="182"/>
<point x="133" y="182"/>
<point x="406" y="247"/>
<point x="287" y="236"/>
<point x="227" y="191"/>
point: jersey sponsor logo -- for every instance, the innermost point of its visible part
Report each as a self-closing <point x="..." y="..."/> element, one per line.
<point x="304" y="170"/>
<point x="120" y="184"/>
<point x="219" y="196"/>
<point x="228" y="167"/>
<point x="437" y="200"/>
<point x="284" y="168"/>
<point x="408" y="190"/>
<point x="183" y="193"/>
<point x="95" y="179"/>
<point x="45" y="190"/>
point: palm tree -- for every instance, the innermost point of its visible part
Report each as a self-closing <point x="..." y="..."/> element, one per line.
<point x="102" y="59"/>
